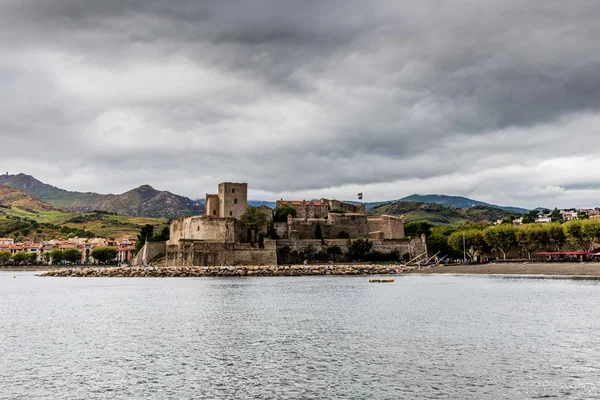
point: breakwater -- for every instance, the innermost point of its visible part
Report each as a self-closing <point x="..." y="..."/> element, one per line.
<point x="277" y="270"/>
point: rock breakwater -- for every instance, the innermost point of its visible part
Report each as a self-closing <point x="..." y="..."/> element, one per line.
<point x="278" y="270"/>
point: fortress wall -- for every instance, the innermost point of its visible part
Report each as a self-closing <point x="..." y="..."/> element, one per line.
<point x="392" y="227"/>
<point x="413" y="247"/>
<point x="153" y="249"/>
<point x="355" y="225"/>
<point x="281" y="228"/>
<point x="203" y="228"/>
<point x="194" y="253"/>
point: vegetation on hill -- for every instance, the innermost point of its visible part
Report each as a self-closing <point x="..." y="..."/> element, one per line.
<point x="457" y="202"/>
<point x="10" y="197"/>
<point x="440" y="215"/>
<point x="24" y="225"/>
<point x="143" y="201"/>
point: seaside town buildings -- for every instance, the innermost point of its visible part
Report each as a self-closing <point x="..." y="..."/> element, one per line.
<point x="125" y="247"/>
<point x="219" y="238"/>
<point x="565" y="215"/>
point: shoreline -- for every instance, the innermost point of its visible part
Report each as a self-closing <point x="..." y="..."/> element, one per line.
<point x="591" y="269"/>
<point x="575" y="270"/>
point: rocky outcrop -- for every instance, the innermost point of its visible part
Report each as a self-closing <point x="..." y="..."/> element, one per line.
<point x="247" y="270"/>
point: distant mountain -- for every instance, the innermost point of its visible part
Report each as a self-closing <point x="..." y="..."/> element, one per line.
<point x="457" y="202"/>
<point x="439" y="214"/>
<point x="143" y="201"/>
<point x="253" y="203"/>
<point x="11" y="197"/>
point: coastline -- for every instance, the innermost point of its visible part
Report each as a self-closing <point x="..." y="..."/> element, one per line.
<point x="528" y="269"/>
<point x="591" y="269"/>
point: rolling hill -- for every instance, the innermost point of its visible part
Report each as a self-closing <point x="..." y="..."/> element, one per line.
<point x="457" y="202"/>
<point x="143" y="201"/>
<point x="439" y="214"/>
<point x="24" y="217"/>
<point x="11" y="197"/>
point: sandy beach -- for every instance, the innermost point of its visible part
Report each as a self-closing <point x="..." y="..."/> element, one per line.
<point x="572" y="269"/>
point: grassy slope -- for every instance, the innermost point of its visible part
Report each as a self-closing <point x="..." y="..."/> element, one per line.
<point x="438" y="214"/>
<point x="107" y="226"/>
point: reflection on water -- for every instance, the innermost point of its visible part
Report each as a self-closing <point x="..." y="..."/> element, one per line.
<point x="422" y="337"/>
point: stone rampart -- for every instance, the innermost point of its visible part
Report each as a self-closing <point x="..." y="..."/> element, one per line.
<point x="205" y="228"/>
<point x="153" y="249"/>
<point x="200" y="253"/>
<point x="354" y="225"/>
<point x="391" y="227"/>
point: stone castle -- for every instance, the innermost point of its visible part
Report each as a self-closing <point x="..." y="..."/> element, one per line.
<point x="219" y="238"/>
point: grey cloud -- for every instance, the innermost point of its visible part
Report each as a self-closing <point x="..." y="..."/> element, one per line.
<point x="297" y="97"/>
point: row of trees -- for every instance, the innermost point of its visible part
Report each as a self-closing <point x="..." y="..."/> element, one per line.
<point x="57" y="256"/>
<point x="531" y="238"/>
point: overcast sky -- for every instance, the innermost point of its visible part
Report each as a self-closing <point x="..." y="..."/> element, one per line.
<point x="494" y="100"/>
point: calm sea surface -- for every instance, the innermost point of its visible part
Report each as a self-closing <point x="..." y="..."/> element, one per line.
<point x="422" y="337"/>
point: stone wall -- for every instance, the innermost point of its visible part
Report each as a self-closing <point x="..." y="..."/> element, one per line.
<point x="198" y="253"/>
<point x="281" y="228"/>
<point x="413" y="247"/>
<point x="153" y="249"/>
<point x="391" y="227"/>
<point x="354" y="224"/>
<point x="205" y="228"/>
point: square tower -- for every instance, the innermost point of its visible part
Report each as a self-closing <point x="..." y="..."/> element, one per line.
<point x="233" y="199"/>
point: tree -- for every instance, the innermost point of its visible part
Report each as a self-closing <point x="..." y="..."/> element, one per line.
<point x="253" y="219"/>
<point x="318" y="232"/>
<point x="162" y="236"/>
<point x="334" y="251"/>
<point x="437" y="243"/>
<point x="4" y="256"/>
<point x="583" y="233"/>
<point x="556" y="237"/>
<point x="104" y="254"/>
<point x="20" y="257"/>
<point x="501" y="237"/>
<point x="530" y="217"/>
<point x="417" y="228"/>
<point x="583" y="215"/>
<point x="57" y="256"/>
<point x="280" y="213"/>
<point x="72" y="255"/>
<point x="473" y="242"/>
<point x="271" y="231"/>
<point x="32" y="257"/>
<point x="47" y="256"/>
<point x="359" y="249"/>
<point x="146" y="232"/>
<point x="532" y="237"/>
<point x="556" y="216"/>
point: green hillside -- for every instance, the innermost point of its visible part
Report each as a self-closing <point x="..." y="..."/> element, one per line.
<point x="55" y="224"/>
<point x="438" y="214"/>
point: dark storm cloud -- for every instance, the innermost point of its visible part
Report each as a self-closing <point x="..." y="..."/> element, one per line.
<point x="464" y="97"/>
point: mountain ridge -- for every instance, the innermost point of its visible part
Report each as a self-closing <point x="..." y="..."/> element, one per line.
<point x="143" y="201"/>
<point x="12" y="197"/>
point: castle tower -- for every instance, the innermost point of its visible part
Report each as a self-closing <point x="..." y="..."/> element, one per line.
<point x="233" y="199"/>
